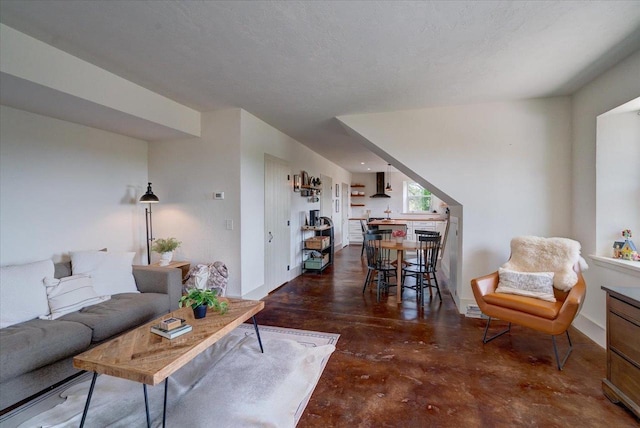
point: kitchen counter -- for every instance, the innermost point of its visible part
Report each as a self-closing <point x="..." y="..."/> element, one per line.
<point x="387" y="223"/>
<point x="405" y="219"/>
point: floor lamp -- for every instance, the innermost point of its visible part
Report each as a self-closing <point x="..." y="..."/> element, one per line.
<point x="149" y="198"/>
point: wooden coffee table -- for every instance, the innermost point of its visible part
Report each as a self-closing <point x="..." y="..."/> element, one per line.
<point x="147" y="358"/>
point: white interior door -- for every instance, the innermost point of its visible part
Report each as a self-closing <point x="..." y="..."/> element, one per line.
<point x="326" y="199"/>
<point x="277" y="210"/>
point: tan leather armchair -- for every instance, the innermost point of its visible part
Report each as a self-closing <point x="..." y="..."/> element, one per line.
<point x="553" y="318"/>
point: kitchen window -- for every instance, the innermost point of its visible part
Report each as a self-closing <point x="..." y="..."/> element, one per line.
<point x="415" y="198"/>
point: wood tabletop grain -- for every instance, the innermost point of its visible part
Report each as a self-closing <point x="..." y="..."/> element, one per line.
<point x="144" y="357"/>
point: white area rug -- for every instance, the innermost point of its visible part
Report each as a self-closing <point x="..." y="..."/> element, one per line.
<point x="230" y="385"/>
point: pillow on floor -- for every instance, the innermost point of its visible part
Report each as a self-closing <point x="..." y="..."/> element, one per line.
<point x="22" y="296"/>
<point x="110" y="272"/>
<point x="70" y="294"/>
<point x="529" y="284"/>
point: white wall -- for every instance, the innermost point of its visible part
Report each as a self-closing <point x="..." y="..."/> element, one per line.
<point x="66" y="187"/>
<point x="618" y="178"/>
<point x="611" y="89"/>
<point x="31" y="60"/>
<point x="185" y="173"/>
<point x="508" y="164"/>
<point x="229" y="157"/>
<point x="258" y="139"/>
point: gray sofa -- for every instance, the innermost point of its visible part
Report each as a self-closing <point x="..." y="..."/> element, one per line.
<point x="37" y="354"/>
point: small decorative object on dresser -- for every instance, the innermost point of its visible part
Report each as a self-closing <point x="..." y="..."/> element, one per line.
<point x="165" y="247"/>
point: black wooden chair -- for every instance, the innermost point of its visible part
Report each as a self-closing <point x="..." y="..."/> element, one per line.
<point x="424" y="268"/>
<point x="413" y="259"/>
<point x="378" y="264"/>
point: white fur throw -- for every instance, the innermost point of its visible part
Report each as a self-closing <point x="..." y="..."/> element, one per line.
<point x="536" y="254"/>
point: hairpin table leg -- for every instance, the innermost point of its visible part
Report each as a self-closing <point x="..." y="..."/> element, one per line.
<point x="86" y="405"/>
<point x="255" y="325"/>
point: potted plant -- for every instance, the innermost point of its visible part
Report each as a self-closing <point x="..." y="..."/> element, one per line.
<point x="165" y="247"/>
<point x="200" y="300"/>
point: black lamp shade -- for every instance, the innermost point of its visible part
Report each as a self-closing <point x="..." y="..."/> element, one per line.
<point x="149" y="197"/>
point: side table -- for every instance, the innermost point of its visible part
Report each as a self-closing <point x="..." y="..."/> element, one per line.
<point x="183" y="266"/>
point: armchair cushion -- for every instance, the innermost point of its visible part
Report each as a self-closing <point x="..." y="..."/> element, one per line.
<point x="529" y="305"/>
<point x="534" y="284"/>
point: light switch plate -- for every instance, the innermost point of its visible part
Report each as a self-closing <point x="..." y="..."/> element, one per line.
<point x="218" y="195"/>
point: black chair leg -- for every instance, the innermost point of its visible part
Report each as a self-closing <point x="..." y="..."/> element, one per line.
<point x="437" y="286"/>
<point x="555" y="351"/>
<point x="366" y="281"/>
<point x="486" y="329"/>
<point x="379" y="285"/>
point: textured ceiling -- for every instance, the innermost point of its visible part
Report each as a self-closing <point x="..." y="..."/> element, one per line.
<point x="297" y="65"/>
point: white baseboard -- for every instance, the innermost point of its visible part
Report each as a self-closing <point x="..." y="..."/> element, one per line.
<point x="593" y="331"/>
<point x="257" y="293"/>
<point x="463" y="303"/>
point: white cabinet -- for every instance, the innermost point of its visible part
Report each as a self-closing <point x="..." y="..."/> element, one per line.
<point x="355" y="231"/>
<point x="412" y="226"/>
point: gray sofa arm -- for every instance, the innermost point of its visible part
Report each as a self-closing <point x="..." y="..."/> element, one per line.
<point x="154" y="279"/>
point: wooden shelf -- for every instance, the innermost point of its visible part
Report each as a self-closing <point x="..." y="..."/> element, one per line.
<point x="357" y="185"/>
<point x="310" y="187"/>
<point x="357" y="205"/>
<point x="357" y="196"/>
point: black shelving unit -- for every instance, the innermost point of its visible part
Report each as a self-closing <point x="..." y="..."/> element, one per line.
<point x="324" y="229"/>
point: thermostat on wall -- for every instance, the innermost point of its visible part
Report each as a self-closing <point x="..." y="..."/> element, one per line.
<point x="218" y="195"/>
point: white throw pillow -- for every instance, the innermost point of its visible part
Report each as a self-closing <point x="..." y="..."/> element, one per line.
<point x="530" y="284"/>
<point x="22" y="296"/>
<point x="110" y="272"/>
<point x="70" y="294"/>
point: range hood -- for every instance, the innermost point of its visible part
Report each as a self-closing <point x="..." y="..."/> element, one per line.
<point x="380" y="186"/>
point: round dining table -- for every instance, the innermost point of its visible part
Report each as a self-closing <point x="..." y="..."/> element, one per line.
<point x="400" y="248"/>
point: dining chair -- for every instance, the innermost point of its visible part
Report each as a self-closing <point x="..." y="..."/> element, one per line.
<point x="378" y="264"/>
<point x="425" y="268"/>
<point x="386" y="233"/>
<point x="365" y="227"/>
<point x="413" y="259"/>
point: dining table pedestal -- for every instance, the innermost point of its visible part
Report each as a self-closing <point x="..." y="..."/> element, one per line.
<point x="400" y="248"/>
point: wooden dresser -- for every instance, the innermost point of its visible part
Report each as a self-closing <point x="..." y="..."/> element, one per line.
<point x="623" y="347"/>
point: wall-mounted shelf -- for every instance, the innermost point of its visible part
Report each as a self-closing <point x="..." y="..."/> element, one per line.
<point x="310" y="187"/>
<point x="357" y="205"/>
<point x="357" y="185"/>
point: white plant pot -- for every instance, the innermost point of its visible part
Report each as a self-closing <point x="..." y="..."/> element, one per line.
<point x="165" y="258"/>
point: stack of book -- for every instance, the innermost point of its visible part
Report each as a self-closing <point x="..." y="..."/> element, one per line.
<point x="474" y="311"/>
<point x="171" y="328"/>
